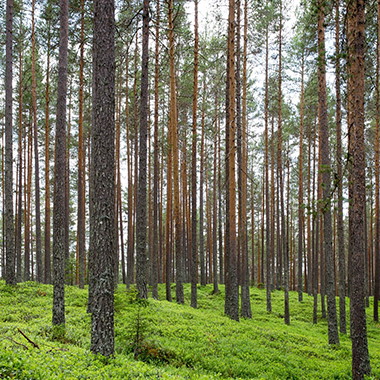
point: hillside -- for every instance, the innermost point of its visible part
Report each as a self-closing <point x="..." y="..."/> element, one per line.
<point x="175" y="341"/>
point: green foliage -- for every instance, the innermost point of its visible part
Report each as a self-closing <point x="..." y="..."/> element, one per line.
<point x="171" y="341"/>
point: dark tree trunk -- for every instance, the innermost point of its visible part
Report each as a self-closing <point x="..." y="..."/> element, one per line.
<point x="81" y="228"/>
<point x="300" y="186"/>
<point x="10" y="275"/>
<point x="156" y="167"/>
<point x="39" y="268"/>
<point x="141" y="210"/>
<point x="102" y="212"/>
<point x="59" y="219"/>
<point x="339" y="158"/>
<point x="194" y="250"/>
<point x="325" y="171"/>
<point x="18" y="239"/>
<point x="47" y="235"/>
<point x="246" y="311"/>
<point x="232" y="289"/>
<point x="356" y="151"/>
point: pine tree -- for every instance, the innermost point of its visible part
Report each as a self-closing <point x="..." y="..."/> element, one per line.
<point x="102" y="182"/>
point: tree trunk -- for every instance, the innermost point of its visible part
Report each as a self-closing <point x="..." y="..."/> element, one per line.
<point x="141" y="210"/>
<point x="47" y="235"/>
<point x="18" y="238"/>
<point x="156" y="168"/>
<point x="339" y="157"/>
<point x="81" y="227"/>
<point x="356" y="151"/>
<point x="325" y="171"/>
<point x="39" y="268"/>
<point x="102" y="216"/>
<point x="300" y="184"/>
<point x="245" y="296"/>
<point x="59" y="175"/>
<point x="194" y="250"/>
<point x="268" y="230"/>
<point x="10" y="275"/>
<point x="232" y="288"/>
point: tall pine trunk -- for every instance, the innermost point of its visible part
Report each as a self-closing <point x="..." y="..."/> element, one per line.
<point x="194" y="250"/>
<point x="356" y="151"/>
<point x="232" y="289"/>
<point x="10" y="275"/>
<point x="339" y="157"/>
<point x="59" y="219"/>
<point x="325" y="172"/>
<point x="141" y="210"/>
<point x="102" y="210"/>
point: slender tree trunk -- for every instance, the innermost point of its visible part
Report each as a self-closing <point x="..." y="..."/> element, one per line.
<point x="141" y="210"/>
<point x="268" y="231"/>
<point x="47" y="235"/>
<point x="245" y="296"/>
<point x="18" y="238"/>
<point x="325" y="170"/>
<point x="232" y="288"/>
<point x="10" y="275"/>
<point x="156" y="167"/>
<point x="81" y="227"/>
<point x="130" y="249"/>
<point x="356" y="151"/>
<point x="201" y="193"/>
<point x="194" y="251"/>
<point x="300" y="184"/>
<point x="39" y="268"/>
<point x="102" y="215"/>
<point x="214" y="207"/>
<point x="59" y="219"/>
<point x="27" y="211"/>
<point x="339" y="157"/>
<point x="220" y="211"/>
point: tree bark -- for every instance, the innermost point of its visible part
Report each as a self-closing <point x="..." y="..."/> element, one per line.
<point x="339" y="156"/>
<point x="194" y="247"/>
<point x="10" y="275"/>
<point x="246" y="311"/>
<point x="141" y="210"/>
<point x="81" y="227"/>
<point x="59" y="175"/>
<point x="156" y="168"/>
<point x="356" y="151"/>
<point x="39" y="268"/>
<point x="325" y="172"/>
<point x="232" y="288"/>
<point x="102" y="216"/>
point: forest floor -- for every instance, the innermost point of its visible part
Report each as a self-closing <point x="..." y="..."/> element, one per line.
<point x="171" y="341"/>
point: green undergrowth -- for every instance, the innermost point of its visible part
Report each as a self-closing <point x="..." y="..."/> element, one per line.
<point x="163" y="340"/>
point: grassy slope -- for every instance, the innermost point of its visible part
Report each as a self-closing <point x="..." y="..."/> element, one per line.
<point x="179" y="342"/>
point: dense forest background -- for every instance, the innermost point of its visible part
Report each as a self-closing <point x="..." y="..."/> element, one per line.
<point x="245" y="151"/>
